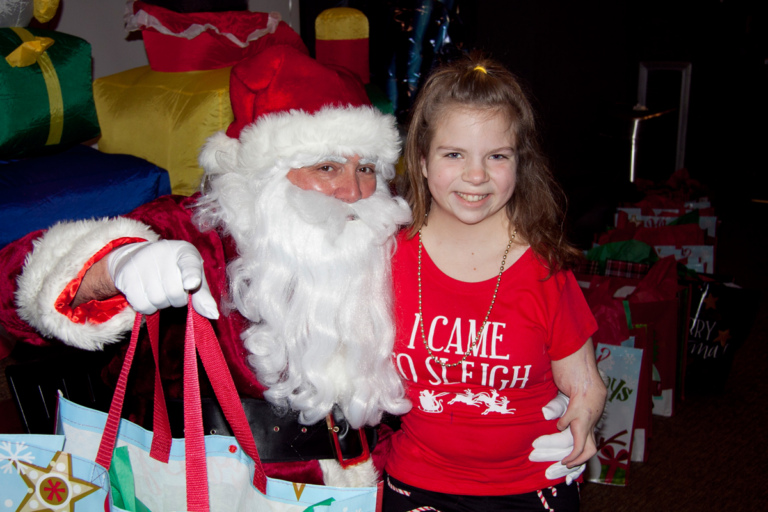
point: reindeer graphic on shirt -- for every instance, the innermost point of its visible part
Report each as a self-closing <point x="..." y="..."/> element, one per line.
<point x="493" y="403"/>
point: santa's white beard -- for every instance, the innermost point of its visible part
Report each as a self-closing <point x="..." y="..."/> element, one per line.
<point x="317" y="287"/>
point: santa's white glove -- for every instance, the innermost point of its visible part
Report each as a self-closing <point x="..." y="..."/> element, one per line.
<point x="156" y="275"/>
<point x="556" y="447"/>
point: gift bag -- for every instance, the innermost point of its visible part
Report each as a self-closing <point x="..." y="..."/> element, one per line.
<point x="720" y="319"/>
<point x="657" y="217"/>
<point x="614" y="436"/>
<point x="698" y="258"/>
<point x="642" y="431"/>
<point x="37" y="474"/>
<point x="688" y="243"/>
<point x="655" y="302"/>
<point x="158" y="473"/>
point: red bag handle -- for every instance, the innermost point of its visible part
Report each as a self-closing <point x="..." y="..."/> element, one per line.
<point x="109" y="437"/>
<point x="161" y="439"/>
<point x="161" y="427"/>
<point x="199" y="337"/>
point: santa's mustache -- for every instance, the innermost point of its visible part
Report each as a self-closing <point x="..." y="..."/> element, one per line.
<point x="379" y="211"/>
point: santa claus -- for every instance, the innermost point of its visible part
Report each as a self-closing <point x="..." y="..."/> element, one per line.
<point x="286" y="249"/>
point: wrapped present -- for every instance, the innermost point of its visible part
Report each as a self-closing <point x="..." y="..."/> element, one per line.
<point x="197" y="41"/>
<point x="164" y="118"/>
<point x="45" y="87"/>
<point x="77" y="183"/>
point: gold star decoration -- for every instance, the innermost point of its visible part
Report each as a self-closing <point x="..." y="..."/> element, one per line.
<point x="723" y="337"/>
<point x="711" y="302"/>
<point x="53" y="487"/>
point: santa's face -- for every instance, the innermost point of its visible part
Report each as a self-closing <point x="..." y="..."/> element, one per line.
<point x="347" y="179"/>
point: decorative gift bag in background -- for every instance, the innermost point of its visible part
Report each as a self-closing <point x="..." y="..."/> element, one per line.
<point x="642" y="427"/>
<point x="720" y="319"/>
<point x="687" y="242"/>
<point x="156" y="473"/>
<point x="37" y="475"/>
<point x="614" y="435"/>
<point x="657" y="217"/>
<point x="654" y="301"/>
<point x="615" y="327"/>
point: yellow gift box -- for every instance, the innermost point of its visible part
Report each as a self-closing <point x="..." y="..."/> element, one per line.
<point x="164" y="118"/>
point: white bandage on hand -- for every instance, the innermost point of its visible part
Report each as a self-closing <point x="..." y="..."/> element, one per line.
<point x="156" y="275"/>
<point x="556" y="447"/>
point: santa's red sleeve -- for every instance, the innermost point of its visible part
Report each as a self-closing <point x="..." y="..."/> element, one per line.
<point x="41" y="273"/>
<point x="37" y="270"/>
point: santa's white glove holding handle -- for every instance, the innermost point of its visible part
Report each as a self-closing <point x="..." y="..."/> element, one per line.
<point x="555" y="447"/>
<point x="156" y="275"/>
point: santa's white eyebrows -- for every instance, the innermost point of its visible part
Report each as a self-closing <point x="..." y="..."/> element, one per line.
<point x="343" y="159"/>
<point x="334" y="158"/>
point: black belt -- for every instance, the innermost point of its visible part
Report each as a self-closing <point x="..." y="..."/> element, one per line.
<point x="280" y="437"/>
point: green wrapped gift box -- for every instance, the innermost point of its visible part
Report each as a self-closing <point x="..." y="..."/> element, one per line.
<point x="46" y="92"/>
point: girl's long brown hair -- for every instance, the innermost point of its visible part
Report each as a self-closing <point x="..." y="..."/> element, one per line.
<point x="537" y="207"/>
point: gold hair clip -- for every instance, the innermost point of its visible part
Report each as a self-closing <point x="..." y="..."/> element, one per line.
<point x="481" y="68"/>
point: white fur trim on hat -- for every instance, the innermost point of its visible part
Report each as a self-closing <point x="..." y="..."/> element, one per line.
<point x="57" y="258"/>
<point x="294" y="139"/>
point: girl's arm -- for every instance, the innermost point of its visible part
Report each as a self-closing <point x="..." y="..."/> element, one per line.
<point x="577" y="377"/>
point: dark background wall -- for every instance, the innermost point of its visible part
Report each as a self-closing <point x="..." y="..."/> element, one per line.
<point x="580" y="59"/>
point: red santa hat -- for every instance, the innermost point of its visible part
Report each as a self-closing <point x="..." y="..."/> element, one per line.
<point x="291" y="111"/>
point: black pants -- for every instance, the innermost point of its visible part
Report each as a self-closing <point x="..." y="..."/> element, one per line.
<point x="400" y="497"/>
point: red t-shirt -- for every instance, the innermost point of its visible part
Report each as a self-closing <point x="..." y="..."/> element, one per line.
<point x="472" y="426"/>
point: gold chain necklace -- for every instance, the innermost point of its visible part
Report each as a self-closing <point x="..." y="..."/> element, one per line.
<point x="485" y="322"/>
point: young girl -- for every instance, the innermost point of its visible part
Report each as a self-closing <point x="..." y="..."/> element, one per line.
<point x="490" y="323"/>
